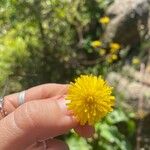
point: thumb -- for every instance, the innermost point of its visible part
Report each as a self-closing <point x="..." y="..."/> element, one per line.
<point x="34" y="121"/>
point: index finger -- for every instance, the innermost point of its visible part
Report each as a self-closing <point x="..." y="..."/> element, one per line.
<point x="38" y="92"/>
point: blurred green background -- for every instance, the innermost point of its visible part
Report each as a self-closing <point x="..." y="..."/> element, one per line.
<point x="57" y="40"/>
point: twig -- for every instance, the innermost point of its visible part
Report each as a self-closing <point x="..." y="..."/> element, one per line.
<point x="139" y="111"/>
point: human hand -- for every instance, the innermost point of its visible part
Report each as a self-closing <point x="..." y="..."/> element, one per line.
<point x="43" y="115"/>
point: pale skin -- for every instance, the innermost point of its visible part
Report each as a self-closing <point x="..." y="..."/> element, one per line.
<point x="43" y="115"/>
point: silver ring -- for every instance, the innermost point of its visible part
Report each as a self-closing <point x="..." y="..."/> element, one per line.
<point x="21" y="97"/>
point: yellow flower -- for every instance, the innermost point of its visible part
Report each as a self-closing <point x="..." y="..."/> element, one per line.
<point x="90" y="99"/>
<point x="104" y="20"/>
<point x="96" y="44"/>
<point x="114" y="47"/>
<point x="102" y="52"/>
<point x="109" y="59"/>
<point x="135" y="61"/>
<point x="113" y="51"/>
<point x="114" y="57"/>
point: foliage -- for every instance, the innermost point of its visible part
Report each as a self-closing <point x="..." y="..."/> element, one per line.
<point x="51" y="41"/>
<point x="109" y="134"/>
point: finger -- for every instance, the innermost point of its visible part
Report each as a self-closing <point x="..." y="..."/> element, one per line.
<point x="33" y="121"/>
<point x="85" y="131"/>
<point x="51" y="144"/>
<point x="39" y="92"/>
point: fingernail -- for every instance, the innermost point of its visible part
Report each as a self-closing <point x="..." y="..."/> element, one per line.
<point x="70" y="117"/>
<point x="62" y="105"/>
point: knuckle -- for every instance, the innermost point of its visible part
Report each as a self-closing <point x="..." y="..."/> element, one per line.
<point x="35" y="116"/>
<point x="42" y="113"/>
<point x="32" y="111"/>
<point x="53" y="112"/>
<point x="23" y="119"/>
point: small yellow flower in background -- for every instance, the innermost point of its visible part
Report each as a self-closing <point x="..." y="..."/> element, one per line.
<point x="104" y="20"/>
<point x="135" y="61"/>
<point x="113" y="51"/>
<point x="102" y="52"/>
<point x="109" y="59"/>
<point x="114" y="57"/>
<point x="90" y="99"/>
<point x="114" y="47"/>
<point x="96" y="44"/>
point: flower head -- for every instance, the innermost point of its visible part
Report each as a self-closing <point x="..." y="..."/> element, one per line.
<point x="114" y="57"/>
<point x="90" y="99"/>
<point x="135" y="61"/>
<point x="114" y="47"/>
<point x="96" y="44"/>
<point x="104" y="20"/>
<point x="102" y="51"/>
<point x="109" y="59"/>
